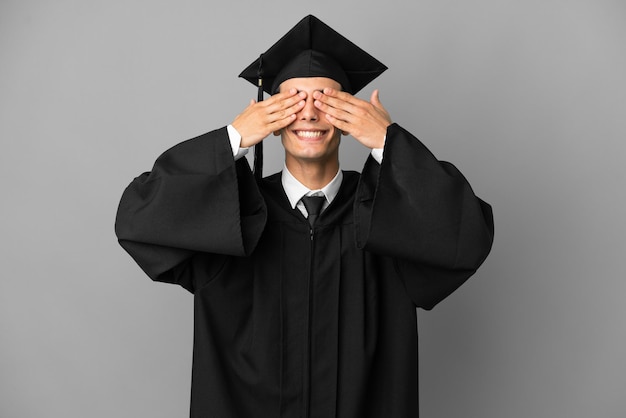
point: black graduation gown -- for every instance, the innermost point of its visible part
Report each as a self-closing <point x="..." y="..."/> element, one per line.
<point x="294" y="323"/>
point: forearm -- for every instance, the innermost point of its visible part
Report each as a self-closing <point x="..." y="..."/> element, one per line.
<point x="413" y="195"/>
<point x="194" y="200"/>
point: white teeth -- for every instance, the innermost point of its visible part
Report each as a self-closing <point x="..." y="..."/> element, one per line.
<point x="309" y="134"/>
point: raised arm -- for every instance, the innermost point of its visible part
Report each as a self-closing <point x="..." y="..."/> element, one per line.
<point x="424" y="214"/>
<point x="196" y="202"/>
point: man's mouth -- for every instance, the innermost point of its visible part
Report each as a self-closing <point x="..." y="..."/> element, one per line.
<point x="309" y="134"/>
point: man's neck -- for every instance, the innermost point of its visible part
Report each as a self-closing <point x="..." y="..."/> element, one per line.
<point x="313" y="175"/>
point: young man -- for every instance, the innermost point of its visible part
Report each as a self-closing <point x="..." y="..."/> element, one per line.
<point x="305" y="307"/>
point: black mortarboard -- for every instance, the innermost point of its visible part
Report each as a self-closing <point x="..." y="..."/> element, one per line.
<point x="311" y="49"/>
<point x="314" y="49"/>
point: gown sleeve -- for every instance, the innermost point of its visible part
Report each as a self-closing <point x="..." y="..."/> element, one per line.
<point x="424" y="214"/>
<point x="197" y="202"/>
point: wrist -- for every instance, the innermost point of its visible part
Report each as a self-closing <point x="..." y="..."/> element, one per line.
<point x="235" y="139"/>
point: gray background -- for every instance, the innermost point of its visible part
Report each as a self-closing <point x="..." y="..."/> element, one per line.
<point x="527" y="98"/>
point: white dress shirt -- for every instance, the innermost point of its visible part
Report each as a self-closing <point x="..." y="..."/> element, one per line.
<point x="296" y="190"/>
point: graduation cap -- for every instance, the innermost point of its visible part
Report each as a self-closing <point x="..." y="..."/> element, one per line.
<point x="310" y="49"/>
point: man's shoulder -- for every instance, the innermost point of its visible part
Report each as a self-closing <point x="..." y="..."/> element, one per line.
<point x="351" y="175"/>
<point x="271" y="185"/>
<point x="270" y="180"/>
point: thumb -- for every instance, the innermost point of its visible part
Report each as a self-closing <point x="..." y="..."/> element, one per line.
<point x="375" y="99"/>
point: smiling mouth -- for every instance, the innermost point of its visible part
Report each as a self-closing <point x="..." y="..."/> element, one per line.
<point x="309" y="134"/>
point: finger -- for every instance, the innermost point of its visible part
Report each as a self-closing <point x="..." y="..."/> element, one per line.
<point x="283" y="95"/>
<point x="284" y="112"/>
<point x="293" y="101"/>
<point x="280" y="113"/>
<point x="285" y="102"/>
<point x="337" y="99"/>
<point x="279" y="124"/>
<point x="335" y="113"/>
<point x="280" y="97"/>
<point x="274" y="101"/>
<point x="334" y="104"/>
<point x="338" y="94"/>
<point x="345" y="103"/>
<point x="375" y="99"/>
<point x="340" y="124"/>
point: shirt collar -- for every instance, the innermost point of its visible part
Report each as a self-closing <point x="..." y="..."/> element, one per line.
<point x="295" y="190"/>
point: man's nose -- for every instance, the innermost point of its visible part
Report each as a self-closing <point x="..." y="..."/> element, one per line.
<point x="309" y="111"/>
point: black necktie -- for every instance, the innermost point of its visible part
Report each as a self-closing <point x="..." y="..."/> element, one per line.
<point x="313" y="205"/>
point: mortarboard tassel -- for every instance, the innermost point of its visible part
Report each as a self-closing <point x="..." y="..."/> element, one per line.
<point x="258" y="148"/>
